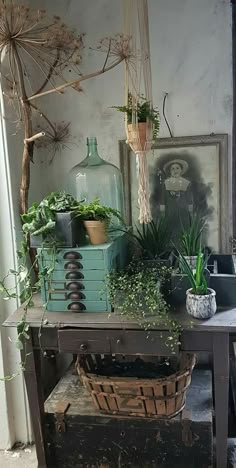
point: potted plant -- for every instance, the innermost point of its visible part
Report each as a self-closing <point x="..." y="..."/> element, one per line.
<point x="190" y="239"/>
<point x="145" y="115"/>
<point x="153" y="241"/>
<point x="54" y="219"/>
<point x="136" y="294"/>
<point x="96" y="218"/>
<point x="201" y="300"/>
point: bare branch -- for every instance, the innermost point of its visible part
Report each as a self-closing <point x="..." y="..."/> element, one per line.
<point x="71" y="84"/>
<point x="34" y="137"/>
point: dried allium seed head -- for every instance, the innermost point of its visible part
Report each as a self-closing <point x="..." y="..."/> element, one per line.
<point x="42" y="45"/>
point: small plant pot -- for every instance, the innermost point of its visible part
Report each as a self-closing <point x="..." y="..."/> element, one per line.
<point x="201" y="306"/>
<point x="138" y="135"/>
<point x="192" y="261"/>
<point x="97" y="231"/>
<point x="69" y="232"/>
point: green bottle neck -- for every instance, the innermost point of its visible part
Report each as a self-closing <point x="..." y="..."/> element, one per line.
<point x="92" y="154"/>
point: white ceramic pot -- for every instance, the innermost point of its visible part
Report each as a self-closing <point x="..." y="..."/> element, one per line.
<point x="201" y="306"/>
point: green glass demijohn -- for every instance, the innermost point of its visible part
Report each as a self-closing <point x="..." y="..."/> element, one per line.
<point x="96" y="178"/>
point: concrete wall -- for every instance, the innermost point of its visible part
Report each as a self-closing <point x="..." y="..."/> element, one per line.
<point x="191" y="60"/>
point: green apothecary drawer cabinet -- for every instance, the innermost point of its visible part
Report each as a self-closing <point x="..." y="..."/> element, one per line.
<point x="77" y="281"/>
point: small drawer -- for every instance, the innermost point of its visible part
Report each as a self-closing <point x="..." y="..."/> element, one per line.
<point x="71" y="265"/>
<point x="83" y="341"/>
<point x="77" y="275"/>
<point x="61" y="286"/>
<point x="77" y="295"/>
<point x="84" y="253"/>
<point x="78" y="306"/>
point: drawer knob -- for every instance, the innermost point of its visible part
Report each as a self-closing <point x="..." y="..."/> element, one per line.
<point x="76" y="307"/>
<point x="73" y="275"/>
<point x="74" y="286"/>
<point x="73" y="265"/>
<point x="72" y="255"/>
<point x="83" y="347"/>
<point x="74" y="295"/>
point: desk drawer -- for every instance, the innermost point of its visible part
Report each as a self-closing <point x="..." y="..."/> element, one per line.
<point x="120" y="342"/>
<point x="84" y="341"/>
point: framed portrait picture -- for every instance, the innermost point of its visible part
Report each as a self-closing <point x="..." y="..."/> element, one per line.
<point x="186" y="175"/>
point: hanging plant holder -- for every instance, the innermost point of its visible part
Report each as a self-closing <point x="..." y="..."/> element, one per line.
<point x="141" y="119"/>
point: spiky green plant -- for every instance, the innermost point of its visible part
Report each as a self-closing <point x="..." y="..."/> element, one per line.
<point x="154" y="238"/>
<point x="191" y="236"/>
<point x="197" y="277"/>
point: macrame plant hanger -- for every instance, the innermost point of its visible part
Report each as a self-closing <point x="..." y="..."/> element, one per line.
<point x="138" y="86"/>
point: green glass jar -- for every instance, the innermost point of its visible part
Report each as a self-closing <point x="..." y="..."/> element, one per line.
<point x="96" y="178"/>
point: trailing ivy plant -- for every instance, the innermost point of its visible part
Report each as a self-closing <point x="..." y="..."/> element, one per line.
<point x="40" y="219"/>
<point x="25" y="287"/>
<point x="136" y="294"/>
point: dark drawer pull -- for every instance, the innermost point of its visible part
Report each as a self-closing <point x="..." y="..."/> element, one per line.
<point x="73" y="275"/>
<point x="83" y="347"/>
<point x="73" y="265"/>
<point x="72" y="255"/>
<point x="76" y="307"/>
<point x="74" y="286"/>
<point x="75" y="295"/>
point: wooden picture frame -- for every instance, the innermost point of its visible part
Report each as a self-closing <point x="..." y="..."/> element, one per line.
<point x="205" y="167"/>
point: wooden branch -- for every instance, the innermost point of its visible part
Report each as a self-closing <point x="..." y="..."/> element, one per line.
<point x="34" y="137"/>
<point x="61" y="88"/>
<point x="28" y="147"/>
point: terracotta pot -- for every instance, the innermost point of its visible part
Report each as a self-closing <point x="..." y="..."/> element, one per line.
<point x="201" y="306"/>
<point x="137" y="136"/>
<point x="97" y="232"/>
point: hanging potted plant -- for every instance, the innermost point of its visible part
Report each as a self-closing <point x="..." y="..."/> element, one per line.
<point x="190" y="239"/>
<point x="96" y="218"/>
<point x="146" y="118"/>
<point x="53" y="219"/>
<point x="201" y="300"/>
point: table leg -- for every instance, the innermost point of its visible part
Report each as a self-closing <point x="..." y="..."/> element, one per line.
<point x="221" y="386"/>
<point x="33" y="383"/>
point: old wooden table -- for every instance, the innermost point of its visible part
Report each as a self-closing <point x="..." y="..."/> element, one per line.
<point x="98" y="333"/>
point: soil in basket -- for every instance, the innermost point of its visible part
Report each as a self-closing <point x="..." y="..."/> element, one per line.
<point x="137" y="368"/>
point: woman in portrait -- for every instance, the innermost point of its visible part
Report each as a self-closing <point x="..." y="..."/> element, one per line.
<point x="176" y="193"/>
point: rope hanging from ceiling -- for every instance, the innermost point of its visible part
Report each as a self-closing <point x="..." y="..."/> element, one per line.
<point x="138" y="89"/>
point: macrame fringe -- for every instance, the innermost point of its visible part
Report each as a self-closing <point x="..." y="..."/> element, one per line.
<point x="143" y="190"/>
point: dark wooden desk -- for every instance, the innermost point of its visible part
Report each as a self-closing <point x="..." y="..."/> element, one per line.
<point x="98" y="333"/>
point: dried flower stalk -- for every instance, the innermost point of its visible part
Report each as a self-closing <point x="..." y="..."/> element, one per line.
<point x="45" y="46"/>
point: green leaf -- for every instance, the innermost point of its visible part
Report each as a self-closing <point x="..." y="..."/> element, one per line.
<point x="19" y="345"/>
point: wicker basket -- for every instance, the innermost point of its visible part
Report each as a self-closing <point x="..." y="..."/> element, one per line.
<point x="131" y="396"/>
